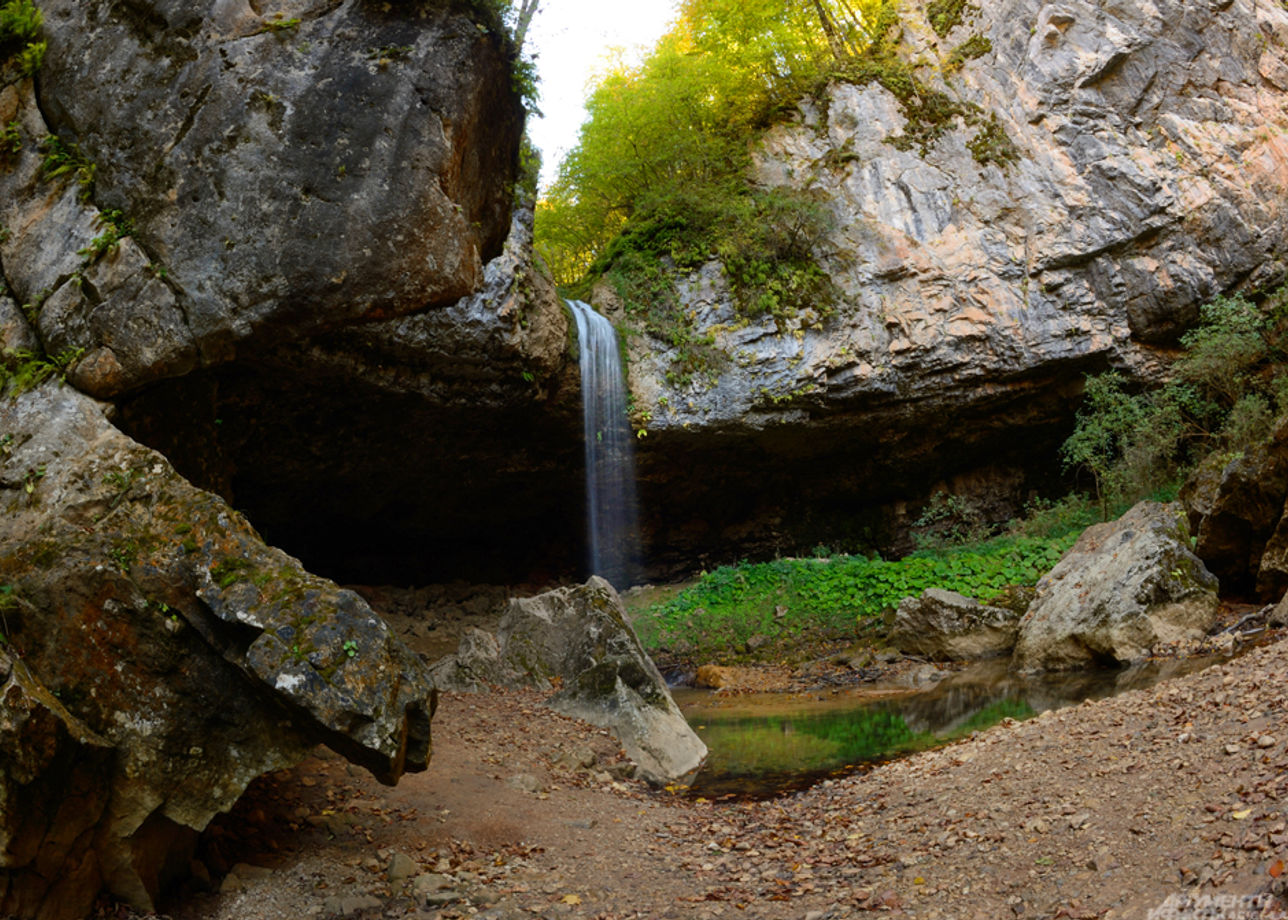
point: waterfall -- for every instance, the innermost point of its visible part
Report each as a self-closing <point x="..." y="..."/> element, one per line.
<point x="612" y="531"/>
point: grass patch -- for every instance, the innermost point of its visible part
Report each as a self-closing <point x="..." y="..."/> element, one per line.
<point x="738" y="607"/>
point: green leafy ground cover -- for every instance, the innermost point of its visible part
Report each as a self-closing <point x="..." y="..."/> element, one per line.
<point x="739" y="607"/>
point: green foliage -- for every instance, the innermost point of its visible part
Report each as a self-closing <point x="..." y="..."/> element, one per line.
<point x="116" y="226"/>
<point x="949" y="520"/>
<point x="973" y="47"/>
<point x="231" y="570"/>
<point x="946" y="15"/>
<point x="21" y="371"/>
<point x="31" y="58"/>
<point x="278" y="24"/>
<point x="65" y="159"/>
<point x="10" y="139"/>
<point x="20" y="23"/>
<point x="991" y="144"/>
<point x="1047" y="519"/>
<point x="790" y="597"/>
<point x="1227" y="386"/>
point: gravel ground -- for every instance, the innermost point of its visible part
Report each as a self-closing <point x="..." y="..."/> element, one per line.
<point x="1121" y="808"/>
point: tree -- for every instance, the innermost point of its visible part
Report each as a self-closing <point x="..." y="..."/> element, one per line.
<point x="522" y="19"/>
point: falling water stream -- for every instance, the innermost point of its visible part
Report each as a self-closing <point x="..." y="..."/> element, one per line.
<point x="612" y="531"/>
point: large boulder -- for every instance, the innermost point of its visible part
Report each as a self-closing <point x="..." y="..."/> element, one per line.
<point x="576" y="641"/>
<point x="1125" y="586"/>
<point x="947" y="626"/>
<point x="284" y="172"/>
<point x="159" y="657"/>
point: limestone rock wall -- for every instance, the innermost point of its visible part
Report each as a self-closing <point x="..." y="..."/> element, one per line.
<point x="1124" y="163"/>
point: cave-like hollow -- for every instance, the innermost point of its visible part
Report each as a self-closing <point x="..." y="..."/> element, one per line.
<point x="371" y="485"/>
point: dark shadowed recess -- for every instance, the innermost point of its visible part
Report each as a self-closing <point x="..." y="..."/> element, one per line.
<point x="366" y="485"/>
<point x="853" y="478"/>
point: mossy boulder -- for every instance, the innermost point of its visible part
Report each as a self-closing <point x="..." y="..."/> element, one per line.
<point x="180" y="658"/>
<point x="576" y="642"/>
<point x="1124" y="587"/>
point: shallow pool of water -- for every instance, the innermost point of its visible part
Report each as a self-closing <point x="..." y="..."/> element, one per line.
<point x="767" y="744"/>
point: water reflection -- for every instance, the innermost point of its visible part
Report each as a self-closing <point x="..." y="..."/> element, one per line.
<point x="765" y="744"/>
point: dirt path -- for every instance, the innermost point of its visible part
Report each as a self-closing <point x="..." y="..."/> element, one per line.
<point x="1103" y="810"/>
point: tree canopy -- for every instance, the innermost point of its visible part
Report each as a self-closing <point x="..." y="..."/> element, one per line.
<point x="667" y="142"/>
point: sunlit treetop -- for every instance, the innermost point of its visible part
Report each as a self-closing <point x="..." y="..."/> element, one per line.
<point x="684" y="119"/>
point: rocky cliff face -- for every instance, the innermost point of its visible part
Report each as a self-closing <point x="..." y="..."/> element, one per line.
<point x="286" y="168"/>
<point x="205" y="207"/>
<point x="1107" y="168"/>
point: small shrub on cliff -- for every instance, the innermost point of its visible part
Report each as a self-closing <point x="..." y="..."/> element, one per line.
<point x="21" y="371"/>
<point x="20" y="22"/>
<point x="62" y="158"/>
<point x="1227" y="378"/>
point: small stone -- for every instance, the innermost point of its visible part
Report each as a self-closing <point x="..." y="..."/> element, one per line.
<point x="401" y="867"/>
<point x="524" y="782"/>
<point x="431" y="881"/>
<point x="1232" y="748"/>
<point x="1266" y="741"/>
<point x="347" y="907"/>
<point x="578" y="758"/>
<point x="231" y="884"/>
<point x="248" y="873"/>
<point x="439" y="898"/>
<point x="624" y="769"/>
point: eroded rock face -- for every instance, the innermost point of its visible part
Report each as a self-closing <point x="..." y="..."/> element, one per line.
<point x="947" y="626"/>
<point x="577" y="642"/>
<point x="1124" y="587"/>
<point x="1236" y="510"/>
<point x="287" y="168"/>
<point x="1135" y="168"/>
<point x="168" y="656"/>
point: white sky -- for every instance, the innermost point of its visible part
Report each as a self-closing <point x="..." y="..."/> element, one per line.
<point x="572" y="39"/>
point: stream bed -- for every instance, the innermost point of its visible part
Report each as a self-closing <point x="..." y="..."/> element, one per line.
<point x="767" y="744"/>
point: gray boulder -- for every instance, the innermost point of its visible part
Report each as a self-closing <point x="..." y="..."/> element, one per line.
<point x="1279" y="615"/>
<point x="159" y="657"/>
<point x="576" y="641"/>
<point x="1123" y="587"/>
<point x="476" y="664"/>
<point x="948" y="626"/>
<point x="284" y="173"/>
